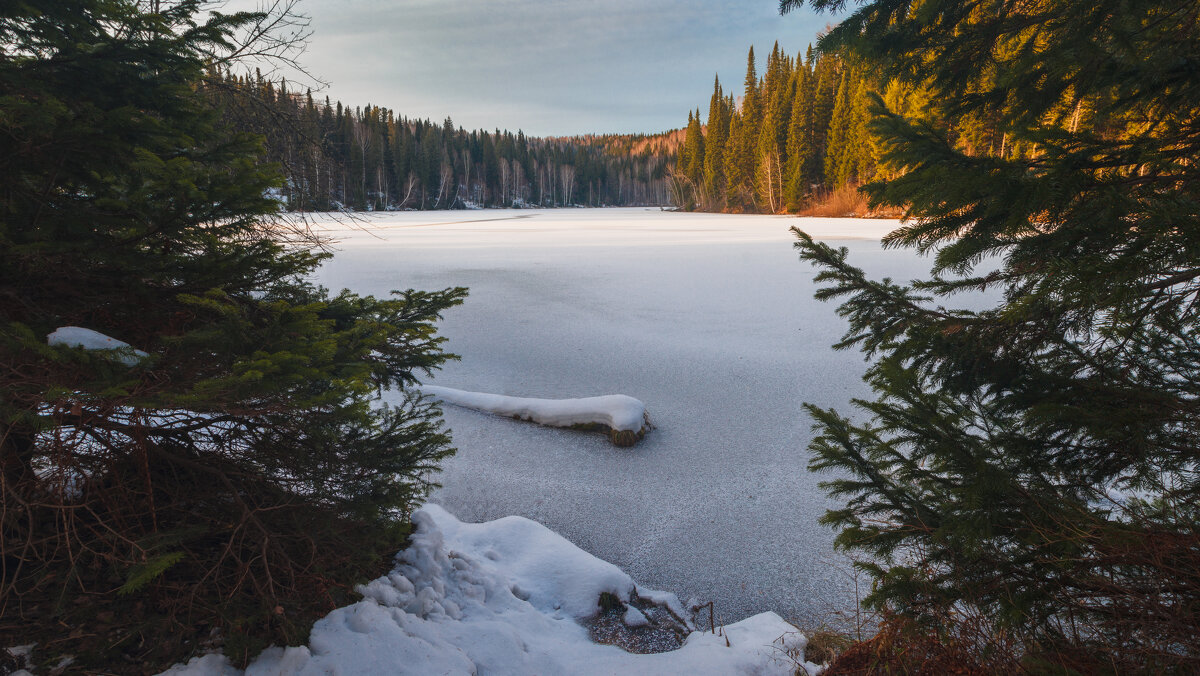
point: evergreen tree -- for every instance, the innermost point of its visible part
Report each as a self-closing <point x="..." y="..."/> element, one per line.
<point x="771" y="148"/>
<point x="742" y="150"/>
<point x="803" y="125"/>
<point x="694" y="143"/>
<point x="716" y="139"/>
<point x="1029" y="470"/>
<point x="799" y="137"/>
<point x="242" y="475"/>
<point x="735" y="176"/>
<point x="827" y="74"/>
<point x="848" y="149"/>
<point x="689" y="167"/>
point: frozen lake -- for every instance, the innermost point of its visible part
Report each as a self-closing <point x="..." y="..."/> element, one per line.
<point x="707" y="318"/>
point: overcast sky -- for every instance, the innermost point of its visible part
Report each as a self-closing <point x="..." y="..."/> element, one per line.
<point x="549" y="67"/>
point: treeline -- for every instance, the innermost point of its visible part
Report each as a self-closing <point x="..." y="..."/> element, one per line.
<point x="796" y="134"/>
<point x="370" y="158"/>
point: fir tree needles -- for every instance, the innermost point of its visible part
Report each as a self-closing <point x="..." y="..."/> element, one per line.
<point x="1032" y="467"/>
<point x="234" y="484"/>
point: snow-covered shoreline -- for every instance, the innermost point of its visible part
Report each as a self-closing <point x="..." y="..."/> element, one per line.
<point x="505" y="597"/>
<point x="572" y="228"/>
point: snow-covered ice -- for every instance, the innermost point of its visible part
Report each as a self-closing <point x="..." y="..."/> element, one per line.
<point x="617" y="412"/>
<point x="708" y="318"/>
<point x="503" y="597"/>
<point x="76" y="336"/>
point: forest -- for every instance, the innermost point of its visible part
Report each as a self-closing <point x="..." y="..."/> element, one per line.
<point x="799" y="134"/>
<point x="371" y="158"/>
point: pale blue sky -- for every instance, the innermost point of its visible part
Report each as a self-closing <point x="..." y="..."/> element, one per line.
<point x="549" y="67"/>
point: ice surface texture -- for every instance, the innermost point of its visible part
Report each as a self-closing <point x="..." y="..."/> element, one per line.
<point x="708" y="318"/>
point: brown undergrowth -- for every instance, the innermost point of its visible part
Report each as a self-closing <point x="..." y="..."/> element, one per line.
<point x="122" y="579"/>
<point x="902" y="647"/>
<point x="845" y="202"/>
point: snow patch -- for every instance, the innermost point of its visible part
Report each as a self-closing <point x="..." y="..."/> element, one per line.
<point x="634" y="618"/>
<point x="205" y="665"/>
<point x="23" y="654"/>
<point x="75" y="336"/>
<point x="617" y="412"/>
<point x="501" y="597"/>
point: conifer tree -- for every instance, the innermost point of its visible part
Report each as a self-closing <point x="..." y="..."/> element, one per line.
<point x="735" y="177"/>
<point x="848" y="150"/>
<point x="1028" y="471"/>
<point x="239" y="475"/>
<point x="799" y="136"/>
<point x="741" y="153"/>
<point x="716" y="140"/>
<point x="771" y="148"/>
<point x="827" y="73"/>
<point x="694" y="140"/>
<point x="689" y="170"/>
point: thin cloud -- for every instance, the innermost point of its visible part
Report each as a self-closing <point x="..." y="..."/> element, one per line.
<point x="550" y="67"/>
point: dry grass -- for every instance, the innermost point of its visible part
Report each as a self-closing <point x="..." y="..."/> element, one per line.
<point x="825" y="644"/>
<point x="902" y="647"/>
<point x="846" y="202"/>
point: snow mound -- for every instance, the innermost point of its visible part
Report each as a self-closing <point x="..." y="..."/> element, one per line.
<point x="76" y="336"/>
<point x="624" y="417"/>
<point x="501" y="597"/>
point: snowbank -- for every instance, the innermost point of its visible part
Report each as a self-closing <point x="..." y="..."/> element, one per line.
<point x="502" y="597"/>
<point x="75" y="336"/>
<point x="622" y="416"/>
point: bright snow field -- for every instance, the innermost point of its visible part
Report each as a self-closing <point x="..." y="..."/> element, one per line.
<point x="707" y="318"/>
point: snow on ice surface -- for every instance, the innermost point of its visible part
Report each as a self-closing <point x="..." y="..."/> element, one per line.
<point x="617" y="411"/>
<point x="709" y="318"/>
<point x="555" y="228"/>
<point x="501" y="597"/>
<point x="75" y="336"/>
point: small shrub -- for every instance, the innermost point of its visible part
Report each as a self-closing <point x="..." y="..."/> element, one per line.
<point x="903" y="647"/>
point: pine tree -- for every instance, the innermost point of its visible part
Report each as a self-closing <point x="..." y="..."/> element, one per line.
<point x="1028" y="470"/>
<point x="715" y="141"/>
<point x="799" y="137"/>
<point x="848" y="151"/>
<point x="689" y="168"/>
<point x="735" y="176"/>
<point x="771" y="148"/>
<point x="694" y="140"/>
<point x="828" y="74"/>
<point x="243" y="475"/>
<point x="838" y="139"/>
<point x="741" y="151"/>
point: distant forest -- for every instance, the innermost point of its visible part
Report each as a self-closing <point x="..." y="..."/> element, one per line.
<point x="799" y="133"/>
<point x="370" y="158"/>
<point x="794" y="137"/>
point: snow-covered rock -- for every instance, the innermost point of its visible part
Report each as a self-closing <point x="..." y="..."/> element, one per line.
<point x="76" y="336"/>
<point x="623" y="416"/>
<point x="501" y="597"/>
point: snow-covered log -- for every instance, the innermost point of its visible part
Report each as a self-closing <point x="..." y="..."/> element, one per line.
<point x="76" y="336"/>
<point x="623" y="417"/>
